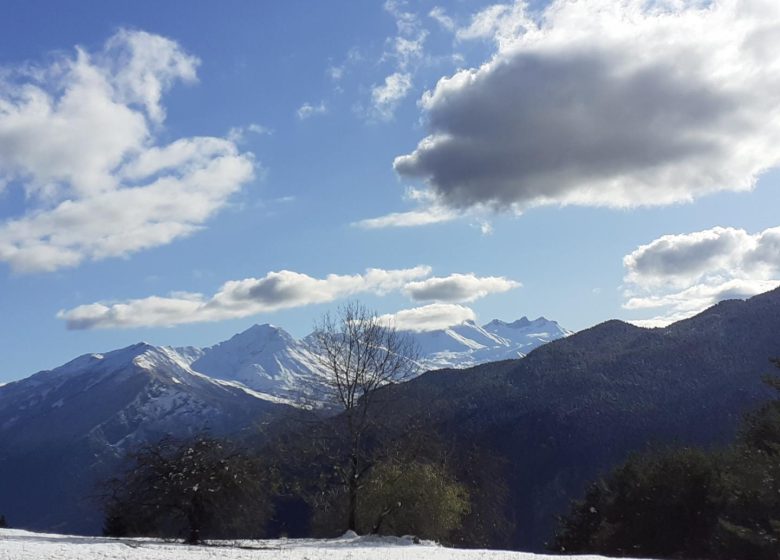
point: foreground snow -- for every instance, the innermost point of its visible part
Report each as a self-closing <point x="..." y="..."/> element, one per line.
<point x="23" y="545"/>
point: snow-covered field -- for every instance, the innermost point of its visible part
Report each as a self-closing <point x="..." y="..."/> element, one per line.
<point x="23" y="545"/>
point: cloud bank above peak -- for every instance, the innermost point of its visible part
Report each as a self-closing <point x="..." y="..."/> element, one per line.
<point x="287" y="289"/>
<point x="604" y="103"/>
<point x="431" y="317"/>
<point x="458" y="288"/>
<point x="80" y="137"/>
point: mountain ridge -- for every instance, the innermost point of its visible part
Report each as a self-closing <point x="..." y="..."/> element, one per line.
<point x="576" y="407"/>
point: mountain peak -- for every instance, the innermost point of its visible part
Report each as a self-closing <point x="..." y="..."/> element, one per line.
<point x="265" y="331"/>
<point x="520" y="323"/>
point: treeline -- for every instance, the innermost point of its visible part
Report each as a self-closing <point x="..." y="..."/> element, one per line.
<point x="204" y="487"/>
<point x="688" y="503"/>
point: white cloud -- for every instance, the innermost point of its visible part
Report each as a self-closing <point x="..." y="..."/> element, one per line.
<point x="238" y="134"/>
<point x="684" y="274"/>
<point x="432" y="215"/>
<point x="308" y="110"/>
<point x="430" y="210"/>
<point x="407" y="51"/>
<point x="385" y="97"/>
<point x="336" y="72"/>
<point x="406" y="22"/>
<point x="239" y="298"/>
<point x="439" y="15"/>
<point x="604" y="103"/>
<point x="502" y="23"/>
<point x="431" y="317"/>
<point x="682" y="259"/>
<point x="143" y="66"/>
<point x="78" y="137"/>
<point x="287" y="289"/>
<point x="485" y="227"/>
<point x="485" y="23"/>
<point x="458" y="288"/>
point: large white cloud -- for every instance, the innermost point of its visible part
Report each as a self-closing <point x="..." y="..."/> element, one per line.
<point x="79" y="137"/>
<point x="239" y="298"/>
<point x="458" y="288"/>
<point x="616" y="103"/>
<point x="431" y="317"/>
<point x="680" y="275"/>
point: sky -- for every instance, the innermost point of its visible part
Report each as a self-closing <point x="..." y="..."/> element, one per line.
<point x="175" y="172"/>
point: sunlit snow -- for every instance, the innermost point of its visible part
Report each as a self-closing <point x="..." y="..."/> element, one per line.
<point x="23" y="545"/>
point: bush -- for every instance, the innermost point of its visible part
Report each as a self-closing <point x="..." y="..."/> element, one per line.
<point x="412" y="499"/>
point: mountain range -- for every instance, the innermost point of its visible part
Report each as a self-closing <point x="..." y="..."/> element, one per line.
<point x="63" y="429"/>
<point x="550" y="422"/>
<point x="267" y="359"/>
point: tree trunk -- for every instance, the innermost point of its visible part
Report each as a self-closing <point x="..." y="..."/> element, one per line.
<point x="378" y="524"/>
<point x="353" y="491"/>
<point x="195" y="521"/>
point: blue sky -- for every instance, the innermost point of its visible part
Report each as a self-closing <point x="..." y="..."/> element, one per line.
<point x="175" y="172"/>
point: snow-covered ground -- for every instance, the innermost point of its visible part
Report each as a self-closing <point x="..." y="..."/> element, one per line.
<point x="23" y="545"/>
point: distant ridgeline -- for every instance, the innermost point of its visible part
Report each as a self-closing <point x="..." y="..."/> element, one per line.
<point x="548" y="423"/>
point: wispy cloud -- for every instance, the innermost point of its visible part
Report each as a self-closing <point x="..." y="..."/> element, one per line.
<point x="307" y="110"/>
<point x="80" y="136"/>
<point x="238" y="134"/>
<point x="412" y="218"/>
<point x="439" y="15"/>
<point x="406" y="51"/>
<point x="385" y="97"/>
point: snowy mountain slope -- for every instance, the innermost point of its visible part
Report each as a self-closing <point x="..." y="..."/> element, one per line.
<point x="23" y="545"/>
<point x="63" y="429"/>
<point x="468" y="344"/>
<point x="141" y="387"/>
<point x="267" y="359"/>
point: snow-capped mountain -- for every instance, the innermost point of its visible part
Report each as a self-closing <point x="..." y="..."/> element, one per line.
<point x="267" y="359"/>
<point x="62" y="430"/>
<point x="468" y="344"/>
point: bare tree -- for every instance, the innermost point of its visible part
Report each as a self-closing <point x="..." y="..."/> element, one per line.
<point x="195" y="488"/>
<point x="361" y="353"/>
